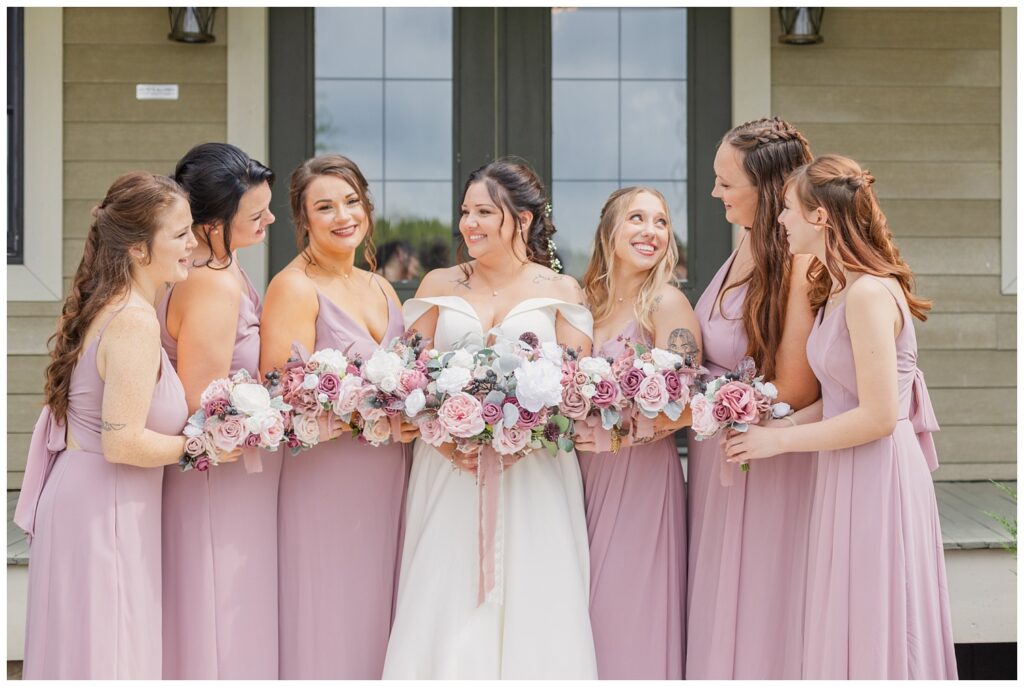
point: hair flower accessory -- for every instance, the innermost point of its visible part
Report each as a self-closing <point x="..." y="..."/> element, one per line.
<point x="556" y="264"/>
<point x="547" y="210"/>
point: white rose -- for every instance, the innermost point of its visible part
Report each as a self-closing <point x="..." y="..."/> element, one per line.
<point x="770" y="390"/>
<point x="781" y="409"/>
<point x="332" y="359"/>
<point x="595" y="367"/>
<point x="382" y="364"/>
<point x="666" y="360"/>
<point x="415" y="402"/>
<point x="648" y="369"/>
<point x="310" y="381"/>
<point x="388" y="383"/>
<point x="453" y="380"/>
<point x="539" y="384"/>
<point x="250" y="399"/>
<point x="462" y="358"/>
<point x="588" y="390"/>
<point x="549" y="350"/>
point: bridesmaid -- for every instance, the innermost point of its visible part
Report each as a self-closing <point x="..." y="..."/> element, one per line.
<point x="90" y="500"/>
<point x="340" y="503"/>
<point x="635" y="498"/>
<point x="748" y="530"/>
<point x="220" y="526"/>
<point x="876" y="580"/>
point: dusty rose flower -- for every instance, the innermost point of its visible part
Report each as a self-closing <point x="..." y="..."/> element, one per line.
<point x="252" y="441"/>
<point x="307" y="429"/>
<point x="491" y="413"/>
<point x="739" y="399"/>
<point x="409" y="380"/>
<point x="329" y="385"/>
<point x="460" y="415"/>
<point x="652" y="395"/>
<point x="703" y="421"/>
<point x="721" y="414"/>
<point x="580" y="378"/>
<point x="195" y="446"/>
<point x="272" y="431"/>
<point x="574" y="404"/>
<point x="202" y="464"/>
<point x="672" y="384"/>
<point x="510" y="440"/>
<point x="311" y="367"/>
<point x="432" y="432"/>
<point x="530" y="339"/>
<point x="630" y="382"/>
<point x="228" y="433"/>
<point x="378" y="432"/>
<point x="605" y="394"/>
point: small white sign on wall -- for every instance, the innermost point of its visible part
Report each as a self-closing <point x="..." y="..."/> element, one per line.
<point x="156" y="91"/>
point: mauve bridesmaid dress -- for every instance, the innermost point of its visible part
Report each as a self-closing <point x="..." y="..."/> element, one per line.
<point x="94" y="578"/>
<point x="339" y="536"/>
<point x="220" y="548"/>
<point x="748" y="540"/>
<point x="877" y="601"/>
<point x="636" y="519"/>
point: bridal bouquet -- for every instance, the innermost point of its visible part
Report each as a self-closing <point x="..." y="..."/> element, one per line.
<point x="734" y="401"/>
<point x="233" y="413"/>
<point x="394" y="381"/>
<point x="315" y="387"/>
<point x="505" y="397"/>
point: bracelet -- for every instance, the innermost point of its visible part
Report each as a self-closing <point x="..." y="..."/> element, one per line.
<point x="616" y="440"/>
<point x="790" y="418"/>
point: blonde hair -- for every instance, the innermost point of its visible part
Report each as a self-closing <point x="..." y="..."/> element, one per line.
<point x="599" y="280"/>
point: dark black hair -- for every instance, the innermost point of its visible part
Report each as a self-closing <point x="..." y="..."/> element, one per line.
<point x="216" y="176"/>
<point x="514" y="186"/>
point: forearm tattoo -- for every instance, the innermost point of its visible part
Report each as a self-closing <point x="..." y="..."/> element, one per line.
<point x="682" y="341"/>
<point x="113" y="426"/>
<point x="658" y="436"/>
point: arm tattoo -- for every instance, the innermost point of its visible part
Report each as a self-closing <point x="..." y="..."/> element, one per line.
<point x="682" y="341"/>
<point x="113" y="426"/>
<point x="658" y="436"/>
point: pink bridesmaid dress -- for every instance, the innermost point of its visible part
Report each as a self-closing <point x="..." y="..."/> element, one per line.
<point x="340" y="536"/>
<point x="220" y="548"/>
<point x="748" y="535"/>
<point x="94" y="575"/>
<point x="876" y="581"/>
<point x="636" y="521"/>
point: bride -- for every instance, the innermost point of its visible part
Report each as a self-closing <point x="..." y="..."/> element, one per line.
<point x="536" y="623"/>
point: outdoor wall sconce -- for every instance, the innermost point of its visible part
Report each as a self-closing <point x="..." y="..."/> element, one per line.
<point x="192" y="24"/>
<point x="801" y="25"/>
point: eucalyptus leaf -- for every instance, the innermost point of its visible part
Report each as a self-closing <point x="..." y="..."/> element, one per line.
<point x="610" y="417"/>
<point x="673" y="410"/>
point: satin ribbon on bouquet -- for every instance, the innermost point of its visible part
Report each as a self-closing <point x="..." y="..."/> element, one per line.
<point x="490" y="535"/>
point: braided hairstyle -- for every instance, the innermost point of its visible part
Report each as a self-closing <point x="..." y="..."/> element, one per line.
<point x="857" y="235"/>
<point x="216" y="176"/>
<point x="771" y="149"/>
<point x="129" y="216"/>
<point x="515" y="187"/>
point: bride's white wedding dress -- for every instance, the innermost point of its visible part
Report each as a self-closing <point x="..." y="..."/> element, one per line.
<point x="542" y="628"/>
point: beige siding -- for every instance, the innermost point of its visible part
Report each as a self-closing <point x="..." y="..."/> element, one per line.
<point x="108" y="132"/>
<point x="914" y="95"/>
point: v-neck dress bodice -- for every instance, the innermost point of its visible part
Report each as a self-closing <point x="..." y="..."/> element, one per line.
<point x="339" y="536"/>
<point x="748" y="540"/>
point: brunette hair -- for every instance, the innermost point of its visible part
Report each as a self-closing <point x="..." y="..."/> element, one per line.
<point x="129" y="215"/>
<point x="771" y="148"/>
<point x="216" y="176"/>
<point x="599" y="280"/>
<point x="346" y="170"/>
<point x="857" y="235"/>
<point x="514" y="186"/>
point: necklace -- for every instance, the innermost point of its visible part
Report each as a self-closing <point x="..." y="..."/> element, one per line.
<point x="494" y="292"/>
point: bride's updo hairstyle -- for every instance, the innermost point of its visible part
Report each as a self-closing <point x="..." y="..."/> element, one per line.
<point x="857" y="235"/>
<point x="515" y="187"/>
<point x="129" y="216"/>
<point x="771" y="149"/>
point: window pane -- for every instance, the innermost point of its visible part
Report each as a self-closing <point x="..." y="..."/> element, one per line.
<point x="654" y="44"/>
<point x="419" y="213"/>
<point x="418" y="43"/>
<point x="654" y="129"/>
<point x="576" y="211"/>
<point x="584" y="43"/>
<point x="585" y="129"/>
<point x="418" y="129"/>
<point x="348" y="42"/>
<point x="348" y="121"/>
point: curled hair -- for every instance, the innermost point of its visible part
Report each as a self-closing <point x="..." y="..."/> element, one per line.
<point x="599" y="280"/>
<point x="216" y="176"/>
<point x="514" y="186"/>
<point x="857" y="235"/>
<point x="346" y="170"/>
<point x="771" y="149"/>
<point x="129" y="215"/>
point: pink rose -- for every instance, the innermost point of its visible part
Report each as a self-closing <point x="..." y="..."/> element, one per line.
<point x="369" y="404"/>
<point x="216" y="408"/>
<point x="491" y="413"/>
<point x="574" y="404"/>
<point x="377" y="433"/>
<point x="409" y="380"/>
<point x="630" y="382"/>
<point x="605" y="394"/>
<point x="510" y="440"/>
<point x="421" y="364"/>
<point x="252" y="441"/>
<point x="739" y="399"/>
<point x="203" y="464"/>
<point x="568" y="370"/>
<point x="310" y="367"/>
<point x="307" y="429"/>
<point x="217" y="390"/>
<point x="194" y="446"/>
<point x="672" y="384"/>
<point x="721" y="414"/>
<point x="348" y="396"/>
<point x="652" y="395"/>
<point x="431" y="430"/>
<point x="271" y="432"/>
<point x="703" y="421"/>
<point x="580" y="378"/>
<point x="227" y="434"/>
<point x="329" y="385"/>
<point x="527" y="418"/>
<point x="461" y="415"/>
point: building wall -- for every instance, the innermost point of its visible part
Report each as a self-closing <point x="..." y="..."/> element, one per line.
<point x="106" y="132"/>
<point x="915" y="96"/>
